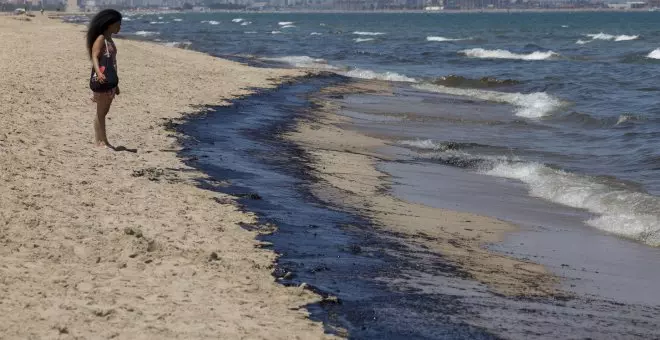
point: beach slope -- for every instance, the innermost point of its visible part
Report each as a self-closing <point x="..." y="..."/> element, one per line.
<point x="103" y="244"/>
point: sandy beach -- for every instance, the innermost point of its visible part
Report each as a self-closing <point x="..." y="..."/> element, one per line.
<point x="101" y="244"/>
<point x="241" y="197"/>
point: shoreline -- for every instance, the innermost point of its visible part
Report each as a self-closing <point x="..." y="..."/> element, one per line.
<point x="115" y="244"/>
<point x="514" y="296"/>
<point x="345" y="161"/>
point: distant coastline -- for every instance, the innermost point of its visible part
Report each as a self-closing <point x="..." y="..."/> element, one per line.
<point x="335" y="11"/>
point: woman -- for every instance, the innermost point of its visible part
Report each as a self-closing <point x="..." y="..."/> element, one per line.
<point x="103" y="53"/>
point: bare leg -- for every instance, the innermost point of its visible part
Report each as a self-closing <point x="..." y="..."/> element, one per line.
<point x="103" y="103"/>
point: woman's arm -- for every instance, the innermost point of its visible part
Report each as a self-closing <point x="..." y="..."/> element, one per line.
<point x="97" y="49"/>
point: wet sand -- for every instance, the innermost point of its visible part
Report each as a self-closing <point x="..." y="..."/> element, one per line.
<point x="102" y="244"/>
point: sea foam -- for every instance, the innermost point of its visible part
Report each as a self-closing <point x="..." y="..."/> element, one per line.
<point x="604" y="36"/>
<point x="655" y="54"/>
<point x="368" y="74"/>
<point x="531" y="105"/>
<point x="302" y="61"/>
<point x="504" y="54"/>
<point x="368" y="33"/>
<point x="443" y="39"/>
<point x="617" y="209"/>
<point x="627" y="213"/>
<point x="146" y="33"/>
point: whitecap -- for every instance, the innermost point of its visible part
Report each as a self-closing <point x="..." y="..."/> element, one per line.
<point x="250" y="32"/>
<point x="288" y="26"/>
<point x="213" y="22"/>
<point x="179" y="44"/>
<point x="178" y="20"/>
<point x="368" y="74"/>
<point x="146" y="33"/>
<point x="237" y="20"/>
<point x="358" y="40"/>
<point x="565" y="26"/>
<point x="245" y="23"/>
<point x="285" y="23"/>
<point x="275" y="32"/>
<point x="368" y="33"/>
<point x="530" y="105"/>
<point x="442" y="39"/>
<point x="315" y="33"/>
<point x="610" y="37"/>
<point x="157" y="22"/>
<point x="582" y="42"/>
<point x="302" y="61"/>
<point x="504" y="54"/>
<point x="655" y="54"/>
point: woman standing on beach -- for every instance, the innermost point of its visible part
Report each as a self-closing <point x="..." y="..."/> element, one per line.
<point x="104" y="80"/>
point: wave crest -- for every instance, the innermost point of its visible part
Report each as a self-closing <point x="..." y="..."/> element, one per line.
<point x="368" y="33"/>
<point x="620" y="209"/>
<point x="655" y="54"/>
<point x="443" y="39"/>
<point x="146" y="33"/>
<point x="531" y="105"/>
<point x="623" y="212"/>
<point x="484" y="82"/>
<point x="368" y="74"/>
<point x="504" y="54"/>
<point x="302" y="61"/>
<point x="610" y="37"/>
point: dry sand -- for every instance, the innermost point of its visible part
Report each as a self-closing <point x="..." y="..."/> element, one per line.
<point x="102" y="244"/>
<point x="345" y="162"/>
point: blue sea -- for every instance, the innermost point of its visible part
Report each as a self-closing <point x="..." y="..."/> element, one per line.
<point x="568" y="102"/>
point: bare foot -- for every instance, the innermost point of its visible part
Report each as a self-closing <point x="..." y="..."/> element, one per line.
<point x="105" y="145"/>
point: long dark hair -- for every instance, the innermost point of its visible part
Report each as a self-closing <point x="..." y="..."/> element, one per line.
<point x="99" y="24"/>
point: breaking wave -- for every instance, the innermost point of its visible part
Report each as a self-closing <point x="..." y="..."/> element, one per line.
<point x="619" y="208"/>
<point x="504" y="54"/>
<point x="237" y="20"/>
<point x="604" y="36"/>
<point x="358" y="40"/>
<point x="285" y="23"/>
<point x="621" y="211"/>
<point x="443" y="39"/>
<point x="368" y="33"/>
<point x="146" y="33"/>
<point x="179" y="44"/>
<point x="484" y="82"/>
<point x="655" y="54"/>
<point x="368" y="74"/>
<point x="302" y="61"/>
<point x="531" y="105"/>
